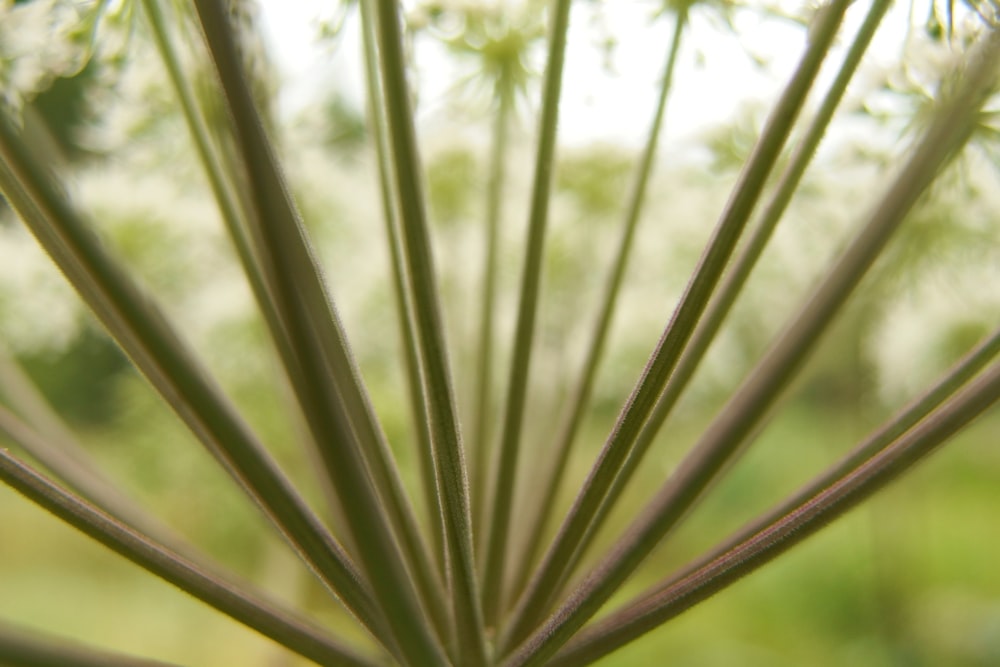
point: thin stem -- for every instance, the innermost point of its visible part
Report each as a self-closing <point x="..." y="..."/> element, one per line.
<point x="446" y="437"/>
<point x="67" y="461"/>
<point x="950" y="129"/>
<point x="734" y="281"/>
<point x="584" y="388"/>
<point x="235" y="210"/>
<point x="231" y="599"/>
<point x="24" y="648"/>
<point x="323" y="373"/>
<point x="517" y="386"/>
<point x="484" y="363"/>
<point x="847" y="485"/>
<point x="137" y="324"/>
<point x="429" y="586"/>
<point x="50" y="442"/>
<point x="24" y="397"/>
<point x="910" y="416"/>
<point x="106" y="498"/>
<point x="549" y="577"/>
<point x="215" y="172"/>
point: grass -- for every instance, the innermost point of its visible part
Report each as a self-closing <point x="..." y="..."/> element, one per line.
<point x="458" y="577"/>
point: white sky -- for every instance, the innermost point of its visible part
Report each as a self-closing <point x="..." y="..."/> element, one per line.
<point x="713" y="77"/>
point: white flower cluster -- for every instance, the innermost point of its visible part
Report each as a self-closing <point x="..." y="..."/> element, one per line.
<point x="40" y="41"/>
<point x="38" y="309"/>
<point x="146" y="195"/>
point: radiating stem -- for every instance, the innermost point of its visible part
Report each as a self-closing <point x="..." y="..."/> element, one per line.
<point x="47" y="439"/>
<point x="23" y="648"/>
<point x="139" y="326"/>
<point x="910" y="416"/>
<point x="736" y="277"/>
<point x="950" y="128"/>
<point x="438" y="384"/>
<point x="229" y="598"/>
<point x="429" y="587"/>
<point x="221" y="170"/>
<point x="584" y="388"/>
<point x="835" y="493"/>
<point x="324" y="376"/>
<point x="517" y="385"/>
<point x="483" y="428"/>
<point x="539" y="596"/>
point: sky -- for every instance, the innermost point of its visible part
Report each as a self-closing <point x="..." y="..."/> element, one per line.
<point x="714" y="73"/>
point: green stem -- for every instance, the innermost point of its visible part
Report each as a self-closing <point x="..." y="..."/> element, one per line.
<point x="428" y="585"/>
<point x="484" y="364"/>
<point x="323" y="373"/>
<point x="903" y="442"/>
<point x="584" y="387"/>
<point x="736" y="278"/>
<point x="50" y="442"/>
<point x="446" y="437"/>
<point x="138" y="325"/>
<point x="231" y="599"/>
<point x="215" y="172"/>
<point x="24" y="648"/>
<point x="67" y="461"/>
<point x="548" y="579"/>
<point x="517" y="386"/>
<point x="951" y="127"/>
<point x="235" y="208"/>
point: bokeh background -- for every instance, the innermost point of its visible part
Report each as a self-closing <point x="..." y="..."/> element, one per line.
<point x="910" y="579"/>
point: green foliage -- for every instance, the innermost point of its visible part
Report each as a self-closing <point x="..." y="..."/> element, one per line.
<point x="90" y="361"/>
<point x="595" y="178"/>
<point x="451" y="181"/>
<point x="345" y="128"/>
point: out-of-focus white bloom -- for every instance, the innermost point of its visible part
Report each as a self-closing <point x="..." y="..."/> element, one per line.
<point x="340" y="205"/>
<point x="38" y="309"/>
<point x="913" y="345"/>
<point x="40" y="41"/>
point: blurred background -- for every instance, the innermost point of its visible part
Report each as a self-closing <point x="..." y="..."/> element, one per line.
<point x="910" y="579"/>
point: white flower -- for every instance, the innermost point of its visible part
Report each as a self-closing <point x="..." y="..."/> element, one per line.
<point x="40" y="41"/>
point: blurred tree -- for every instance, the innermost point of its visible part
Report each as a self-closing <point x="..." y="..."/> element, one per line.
<point x="80" y="380"/>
